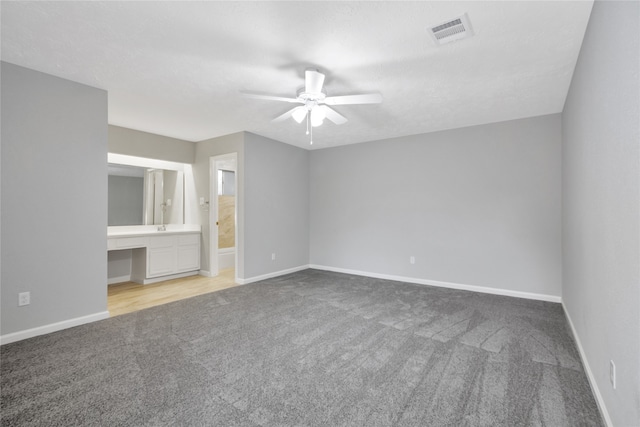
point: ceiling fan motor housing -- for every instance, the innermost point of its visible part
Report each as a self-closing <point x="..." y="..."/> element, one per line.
<point x="309" y="96"/>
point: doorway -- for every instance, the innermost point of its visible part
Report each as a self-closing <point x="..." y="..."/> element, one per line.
<point x="223" y="215"/>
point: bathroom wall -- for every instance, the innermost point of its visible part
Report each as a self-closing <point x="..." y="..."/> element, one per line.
<point x="143" y="144"/>
<point x="54" y="202"/>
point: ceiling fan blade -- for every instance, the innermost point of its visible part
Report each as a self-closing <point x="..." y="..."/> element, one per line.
<point x="269" y="97"/>
<point x="284" y="116"/>
<point x="313" y="81"/>
<point x="367" y="98"/>
<point x="333" y="115"/>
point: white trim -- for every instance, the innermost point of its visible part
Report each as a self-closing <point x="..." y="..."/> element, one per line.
<point x="205" y="273"/>
<point x="52" y="327"/>
<point x="226" y="258"/>
<point x="270" y="275"/>
<point x="213" y="217"/>
<point x="473" y="288"/>
<point x="119" y="279"/>
<point x="168" y="277"/>
<point x="214" y="267"/>
<point x="587" y="368"/>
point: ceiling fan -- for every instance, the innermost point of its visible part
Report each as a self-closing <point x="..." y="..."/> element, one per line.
<point x="315" y="102"/>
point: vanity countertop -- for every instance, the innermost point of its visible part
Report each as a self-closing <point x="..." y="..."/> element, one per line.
<point x="151" y="230"/>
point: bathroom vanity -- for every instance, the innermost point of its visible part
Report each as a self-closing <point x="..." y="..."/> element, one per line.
<point x="158" y="254"/>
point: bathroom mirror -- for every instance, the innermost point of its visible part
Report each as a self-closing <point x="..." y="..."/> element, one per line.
<point x="145" y="196"/>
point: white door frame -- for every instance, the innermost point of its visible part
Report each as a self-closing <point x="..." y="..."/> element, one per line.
<point x="214" y="162"/>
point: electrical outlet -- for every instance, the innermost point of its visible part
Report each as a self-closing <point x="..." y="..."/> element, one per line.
<point x="412" y="259"/>
<point x="24" y="298"/>
<point x="612" y="373"/>
<point x="273" y="256"/>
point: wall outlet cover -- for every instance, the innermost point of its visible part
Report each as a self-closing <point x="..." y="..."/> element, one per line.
<point x="24" y="298"/>
<point x="612" y="373"/>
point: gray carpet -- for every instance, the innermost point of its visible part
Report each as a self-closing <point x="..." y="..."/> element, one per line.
<point x="308" y="349"/>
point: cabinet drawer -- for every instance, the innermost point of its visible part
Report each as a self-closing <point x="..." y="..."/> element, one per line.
<point x="189" y="239"/>
<point x="127" y="243"/>
<point x="161" y="241"/>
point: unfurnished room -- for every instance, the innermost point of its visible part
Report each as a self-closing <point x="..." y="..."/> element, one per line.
<point x="320" y="213"/>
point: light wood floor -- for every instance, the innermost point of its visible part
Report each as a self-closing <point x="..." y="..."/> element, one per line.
<point x="129" y="296"/>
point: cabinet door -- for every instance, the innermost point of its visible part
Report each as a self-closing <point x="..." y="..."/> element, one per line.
<point x="188" y="258"/>
<point x="161" y="261"/>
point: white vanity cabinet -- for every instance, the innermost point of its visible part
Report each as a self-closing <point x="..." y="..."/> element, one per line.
<point x="188" y="253"/>
<point x="160" y="255"/>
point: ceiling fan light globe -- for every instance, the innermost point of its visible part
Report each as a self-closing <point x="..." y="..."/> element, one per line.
<point x="319" y="112"/>
<point x="318" y="115"/>
<point x="299" y="114"/>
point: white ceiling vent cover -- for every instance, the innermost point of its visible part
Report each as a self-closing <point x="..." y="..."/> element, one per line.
<point x="456" y="29"/>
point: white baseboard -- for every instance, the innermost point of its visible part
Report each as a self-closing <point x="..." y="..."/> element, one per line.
<point x="270" y="275"/>
<point x="52" y="327"/>
<point x="587" y="368"/>
<point x="474" y="288"/>
<point x="205" y="273"/>
<point x="226" y="258"/>
<point x="119" y="279"/>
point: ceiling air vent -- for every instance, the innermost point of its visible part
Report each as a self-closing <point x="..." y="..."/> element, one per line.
<point x="456" y="29"/>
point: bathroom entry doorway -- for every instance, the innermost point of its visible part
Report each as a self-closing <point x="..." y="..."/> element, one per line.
<point x="223" y="214"/>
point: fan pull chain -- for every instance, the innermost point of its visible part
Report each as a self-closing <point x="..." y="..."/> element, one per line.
<point x="309" y="128"/>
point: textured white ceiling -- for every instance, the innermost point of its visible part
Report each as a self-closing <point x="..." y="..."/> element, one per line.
<point x="176" y="68"/>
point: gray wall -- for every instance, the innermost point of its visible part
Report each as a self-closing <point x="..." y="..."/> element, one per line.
<point x="119" y="264"/>
<point x="233" y="143"/>
<point x="601" y="209"/>
<point x="475" y="206"/>
<point x="276" y="190"/>
<point x="126" y="200"/>
<point x="54" y="204"/>
<point x="142" y="144"/>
